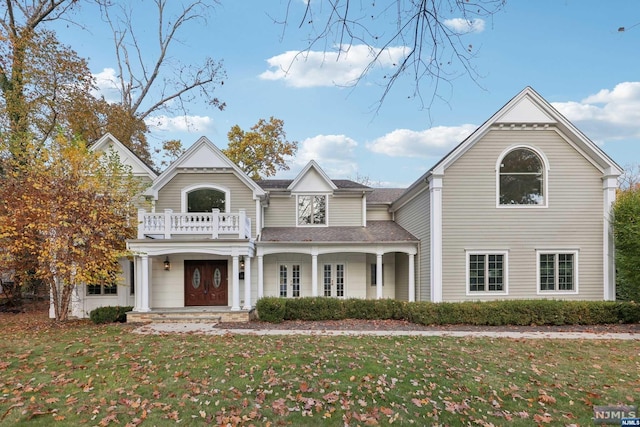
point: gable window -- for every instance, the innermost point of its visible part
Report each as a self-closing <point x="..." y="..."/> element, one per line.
<point x="102" y="289"/>
<point x="521" y="178"/>
<point x="205" y="200"/>
<point x="312" y="210"/>
<point x="557" y="272"/>
<point x="486" y="272"/>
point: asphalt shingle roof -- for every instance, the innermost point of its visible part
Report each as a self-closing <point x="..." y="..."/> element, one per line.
<point x="384" y="195"/>
<point x="282" y="184"/>
<point x="374" y="232"/>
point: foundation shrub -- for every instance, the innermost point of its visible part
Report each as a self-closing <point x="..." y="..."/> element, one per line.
<point x="271" y="309"/>
<point x="110" y="314"/>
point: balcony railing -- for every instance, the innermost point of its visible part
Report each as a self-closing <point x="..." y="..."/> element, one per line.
<point x="215" y="224"/>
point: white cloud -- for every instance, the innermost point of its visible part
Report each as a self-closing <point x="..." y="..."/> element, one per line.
<point x="107" y="83"/>
<point x="316" y="68"/>
<point x="607" y="115"/>
<point x="336" y="155"/>
<point x="190" y="124"/>
<point x="433" y="142"/>
<point x="461" y="25"/>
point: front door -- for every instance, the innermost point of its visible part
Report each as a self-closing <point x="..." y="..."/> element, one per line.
<point x="205" y="283"/>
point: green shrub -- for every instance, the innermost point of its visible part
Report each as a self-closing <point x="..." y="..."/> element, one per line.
<point x="271" y="309"/>
<point x="110" y="314"/>
<point x="490" y="313"/>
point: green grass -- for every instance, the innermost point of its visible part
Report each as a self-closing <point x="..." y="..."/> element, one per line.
<point x="103" y="375"/>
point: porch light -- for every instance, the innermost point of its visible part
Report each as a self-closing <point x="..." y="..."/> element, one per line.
<point x="167" y="264"/>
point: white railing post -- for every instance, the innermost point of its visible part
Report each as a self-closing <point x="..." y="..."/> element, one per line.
<point x="215" y="223"/>
<point x="167" y="223"/>
<point x="141" y="213"/>
<point x="241" y="224"/>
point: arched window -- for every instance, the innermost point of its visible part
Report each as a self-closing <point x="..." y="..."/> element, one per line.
<point x="521" y="178"/>
<point x="206" y="199"/>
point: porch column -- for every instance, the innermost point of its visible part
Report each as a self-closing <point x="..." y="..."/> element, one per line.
<point x="260" y="276"/>
<point x="314" y="274"/>
<point x="167" y="223"/>
<point x="235" y="305"/>
<point x="137" y="292"/>
<point x="144" y="285"/>
<point x="379" y="278"/>
<point x="247" y="283"/>
<point x="412" y="278"/>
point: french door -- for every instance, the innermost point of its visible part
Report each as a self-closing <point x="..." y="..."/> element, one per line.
<point x="289" y="280"/>
<point x="333" y="280"/>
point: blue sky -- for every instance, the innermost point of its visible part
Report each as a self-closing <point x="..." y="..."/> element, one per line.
<point x="569" y="51"/>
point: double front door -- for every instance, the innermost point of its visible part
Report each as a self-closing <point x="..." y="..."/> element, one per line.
<point x="205" y="283"/>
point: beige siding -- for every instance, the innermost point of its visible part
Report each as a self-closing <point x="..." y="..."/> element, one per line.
<point x="378" y="213"/>
<point x="241" y="196"/>
<point x="345" y="211"/>
<point x="402" y="276"/>
<point x="281" y="212"/>
<point x="572" y="220"/>
<point x="414" y="217"/>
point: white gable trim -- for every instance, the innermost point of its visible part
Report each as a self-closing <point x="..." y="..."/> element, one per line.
<point x="305" y="170"/>
<point x="103" y="143"/>
<point x="186" y="160"/>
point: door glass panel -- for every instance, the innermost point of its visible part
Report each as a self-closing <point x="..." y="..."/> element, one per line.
<point x="217" y="278"/>
<point x="283" y="280"/>
<point x="326" y="280"/>
<point x="295" y="280"/>
<point x="195" y="280"/>
<point x="339" y="280"/>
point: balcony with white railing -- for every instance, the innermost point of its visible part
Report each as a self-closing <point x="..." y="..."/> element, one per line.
<point x="213" y="224"/>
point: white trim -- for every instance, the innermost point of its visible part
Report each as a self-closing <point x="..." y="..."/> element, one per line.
<point x="545" y="177"/>
<point x="134" y="158"/>
<point x="303" y="172"/>
<point x="326" y="210"/>
<point x="505" y="272"/>
<point x="435" y="203"/>
<point x="576" y="270"/>
<point x="609" y="186"/>
<point x="186" y="190"/>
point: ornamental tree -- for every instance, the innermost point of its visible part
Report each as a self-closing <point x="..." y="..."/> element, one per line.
<point x="65" y="216"/>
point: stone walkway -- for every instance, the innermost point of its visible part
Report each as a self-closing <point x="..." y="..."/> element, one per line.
<point x="212" y="329"/>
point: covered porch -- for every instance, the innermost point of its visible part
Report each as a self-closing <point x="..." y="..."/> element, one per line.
<point x="191" y="279"/>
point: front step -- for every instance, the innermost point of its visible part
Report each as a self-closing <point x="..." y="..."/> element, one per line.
<point x="189" y="316"/>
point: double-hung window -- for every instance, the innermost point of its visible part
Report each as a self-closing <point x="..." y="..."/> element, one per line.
<point x="486" y="272"/>
<point x="557" y="272"/>
<point x="102" y="289"/>
<point x="312" y="210"/>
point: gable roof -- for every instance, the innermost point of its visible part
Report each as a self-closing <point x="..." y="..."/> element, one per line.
<point x="283" y="184"/>
<point x="526" y="108"/>
<point x="306" y="171"/>
<point x="203" y="154"/>
<point x="139" y="166"/>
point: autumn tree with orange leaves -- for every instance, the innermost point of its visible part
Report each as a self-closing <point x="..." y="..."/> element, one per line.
<point x="65" y="216"/>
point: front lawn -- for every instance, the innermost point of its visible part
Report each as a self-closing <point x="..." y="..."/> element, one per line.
<point x="107" y="375"/>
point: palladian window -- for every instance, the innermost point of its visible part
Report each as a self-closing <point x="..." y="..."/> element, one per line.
<point x="521" y="180"/>
<point x="205" y="200"/>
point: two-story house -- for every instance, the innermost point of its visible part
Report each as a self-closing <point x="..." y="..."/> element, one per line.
<point x="520" y="209"/>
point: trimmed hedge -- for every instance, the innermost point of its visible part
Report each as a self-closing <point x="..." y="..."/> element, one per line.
<point x="110" y="314"/>
<point x="490" y="313"/>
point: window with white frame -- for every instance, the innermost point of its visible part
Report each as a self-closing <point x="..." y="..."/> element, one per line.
<point x="486" y="272"/>
<point x="312" y="210"/>
<point x="374" y="274"/>
<point x="521" y="178"/>
<point x="102" y="289"/>
<point x="557" y="271"/>
<point x="205" y="200"/>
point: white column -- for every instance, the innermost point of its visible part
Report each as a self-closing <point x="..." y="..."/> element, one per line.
<point x="167" y="223"/>
<point x="609" y="186"/>
<point x="144" y="286"/>
<point x="260" y="276"/>
<point x="412" y="278"/>
<point x="435" y="194"/>
<point x="137" y="292"/>
<point x="379" y="278"/>
<point x="314" y="275"/>
<point x="247" y="283"/>
<point x="141" y="213"/>
<point x="235" y="293"/>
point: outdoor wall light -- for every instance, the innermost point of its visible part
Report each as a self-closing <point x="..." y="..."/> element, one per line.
<point x="167" y="264"/>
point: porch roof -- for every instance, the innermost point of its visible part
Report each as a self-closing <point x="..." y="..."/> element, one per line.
<point x="374" y="232"/>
